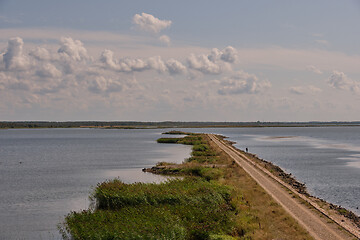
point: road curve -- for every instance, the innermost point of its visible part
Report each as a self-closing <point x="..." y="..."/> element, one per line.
<point x="318" y="227"/>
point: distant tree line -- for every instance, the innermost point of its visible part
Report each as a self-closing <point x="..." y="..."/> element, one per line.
<point x="166" y="124"/>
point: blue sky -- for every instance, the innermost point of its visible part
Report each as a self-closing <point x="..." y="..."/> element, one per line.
<point x="180" y="60"/>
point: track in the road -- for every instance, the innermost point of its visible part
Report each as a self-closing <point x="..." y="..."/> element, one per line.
<point x="317" y="226"/>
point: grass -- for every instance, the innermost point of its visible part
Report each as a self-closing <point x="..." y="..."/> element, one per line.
<point x="215" y="199"/>
<point x="191" y="208"/>
<point x="260" y="215"/>
<point x="174" y="132"/>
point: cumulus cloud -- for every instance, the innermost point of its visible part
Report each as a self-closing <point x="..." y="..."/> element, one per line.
<point x="229" y="54"/>
<point x="39" y="71"/>
<point x="67" y="73"/>
<point x="149" y="23"/>
<point x="165" y="39"/>
<point x="241" y="83"/>
<point x="101" y="85"/>
<point x="301" y="90"/>
<point x="133" y="65"/>
<point x="129" y="65"/>
<point x="157" y="64"/>
<point x="73" y="49"/>
<point x="175" y="67"/>
<point x="215" y="62"/>
<point x="48" y="70"/>
<point x="40" y="54"/>
<point x="340" y="80"/>
<point x="203" y="64"/>
<point x="313" y="69"/>
<point x="107" y="58"/>
<point x="13" y="58"/>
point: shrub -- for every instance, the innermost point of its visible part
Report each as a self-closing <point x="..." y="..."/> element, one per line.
<point x="191" y="208"/>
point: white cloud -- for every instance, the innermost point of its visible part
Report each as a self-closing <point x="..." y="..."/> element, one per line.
<point x="215" y="62"/>
<point x="73" y="49"/>
<point x="241" y="83"/>
<point x="157" y="64"/>
<point x="133" y="65"/>
<point x="125" y="64"/>
<point x="301" y="90"/>
<point x="138" y="65"/>
<point x="214" y="55"/>
<point x="149" y="23"/>
<point x="339" y="80"/>
<point x="13" y="58"/>
<point x="101" y="85"/>
<point x="40" y="54"/>
<point x="175" y="67"/>
<point x="313" y="69"/>
<point x="165" y="39"/>
<point x="203" y="64"/>
<point x="48" y="70"/>
<point x="229" y="54"/>
<point x="107" y="58"/>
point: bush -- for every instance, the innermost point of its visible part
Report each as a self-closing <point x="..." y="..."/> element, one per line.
<point x="178" y="209"/>
<point x="169" y="140"/>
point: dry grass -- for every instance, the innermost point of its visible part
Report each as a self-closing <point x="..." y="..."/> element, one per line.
<point x="272" y="222"/>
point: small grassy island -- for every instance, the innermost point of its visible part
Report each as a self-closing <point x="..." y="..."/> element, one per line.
<point x="212" y="199"/>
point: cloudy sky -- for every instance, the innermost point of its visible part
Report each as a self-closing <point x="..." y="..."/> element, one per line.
<point x="161" y="60"/>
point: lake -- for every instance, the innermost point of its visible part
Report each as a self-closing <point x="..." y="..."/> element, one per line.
<point x="46" y="173"/>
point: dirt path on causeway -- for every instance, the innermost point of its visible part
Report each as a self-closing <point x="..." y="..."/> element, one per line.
<point x="317" y="223"/>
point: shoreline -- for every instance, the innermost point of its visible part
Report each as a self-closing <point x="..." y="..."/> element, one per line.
<point x="343" y="217"/>
<point x="167" y="124"/>
<point x="255" y="210"/>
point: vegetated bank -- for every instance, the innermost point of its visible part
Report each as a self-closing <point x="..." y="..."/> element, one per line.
<point x="167" y="124"/>
<point x="331" y="209"/>
<point x="214" y="199"/>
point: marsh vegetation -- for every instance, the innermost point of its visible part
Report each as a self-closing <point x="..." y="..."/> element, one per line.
<point x="214" y="199"/>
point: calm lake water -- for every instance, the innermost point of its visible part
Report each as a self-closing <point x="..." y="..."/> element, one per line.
<point x="46" y="173"/>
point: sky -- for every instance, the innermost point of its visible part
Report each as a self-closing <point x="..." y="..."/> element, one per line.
<point x="204" y="60"/>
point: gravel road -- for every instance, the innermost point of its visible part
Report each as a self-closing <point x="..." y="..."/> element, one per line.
<point x="316" y="223"/>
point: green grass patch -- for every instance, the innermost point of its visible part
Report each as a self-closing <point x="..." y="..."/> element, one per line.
<point x="169" y="140"/>
<point x="195" y="207"/>
<point x="208" y="173"/>
<point x="116" y="194"/>
<point x="201" y="151"/>
<point x="143" y="222"/>
<point x="191" y="208"/>
<point x="174" y="132"/>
